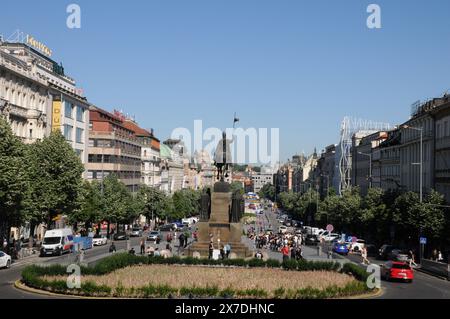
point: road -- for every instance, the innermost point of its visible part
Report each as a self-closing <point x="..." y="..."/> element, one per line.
<point x="9" y="276"/>
<point x="424" y="286"/>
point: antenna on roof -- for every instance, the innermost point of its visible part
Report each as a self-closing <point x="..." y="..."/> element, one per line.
<point x="17" y="36"/>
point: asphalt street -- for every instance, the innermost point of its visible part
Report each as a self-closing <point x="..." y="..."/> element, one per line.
<point x="424" y="286"/>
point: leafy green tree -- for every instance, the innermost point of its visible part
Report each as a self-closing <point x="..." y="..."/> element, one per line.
<point x="267" y="192"/>
<point x="116" y="202"/>
<point x="154" y="203"/>
<point x="92" y="203"/>
<point x="55" y="173"/>
<point x="14" y="184"/>
<point x="237" y="186"/>
<point x="186" y="203"/>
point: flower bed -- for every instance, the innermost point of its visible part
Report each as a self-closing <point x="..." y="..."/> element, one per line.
<point x="124" y="275"/>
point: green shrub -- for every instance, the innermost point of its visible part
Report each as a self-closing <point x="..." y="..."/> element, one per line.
<point x="290" y="264"/>
<point x="273" y="263"/>
<point x="256" y="263"/>
<point x="356" y="271"/>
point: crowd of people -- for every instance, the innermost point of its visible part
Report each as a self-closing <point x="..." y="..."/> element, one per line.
<point x="289" y="244"/>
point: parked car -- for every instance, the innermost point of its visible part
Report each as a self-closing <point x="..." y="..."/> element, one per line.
<point x="287" y="223"/>
<point x="398" y="255"/>
<point x="5" y="260"/>
<point x="358" y="246"/>
<point x="154" y="236"/>
<point x="136" y="232"/>
<point x="167" y="227"/>
<point x="57" y="242"/>
<point x="121" y="236"/>
<point x="384" y="251"/>
<point x="330" y="237"/>
<point x="282" y="229"/>
<point x="371" y="250"/>
<point x="311" y="240"/>
<point x="397" y="270"/>
<point x="341" y="248"/>
<point x="99" y="240"/>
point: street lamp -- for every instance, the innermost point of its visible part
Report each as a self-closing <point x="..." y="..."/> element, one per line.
<point x="420" y="129"/>
<point x="328" y="183"/>
<point x="370" y="167"/>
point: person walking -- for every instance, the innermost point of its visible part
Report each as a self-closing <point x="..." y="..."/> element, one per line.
<point x="112" y="248"/>
<point x="181" y="242"/>
<point x="365" y="261"/>
<point x="227" y="249"/>
<point x="285" y="251"/>
<point x="211" y="250"/>
<point x="142" y="246"/>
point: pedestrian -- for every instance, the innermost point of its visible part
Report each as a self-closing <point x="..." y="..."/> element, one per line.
<point x="112" y="248"/>
<point x="293" y="253"/>
<point x="412" y="259"/>
<point x="222" y="252"/>
<point x="142" y="246"/>
<point x="211" y="250"/>
<point x="181" y="242"/>
<point x="440" y="257"/>
<point x="132" y="251"/>
<point x="157" y="253"/>
<point x="365" y="261"/>
<point x="227" y="249"/>
<point x="285" y="251"/>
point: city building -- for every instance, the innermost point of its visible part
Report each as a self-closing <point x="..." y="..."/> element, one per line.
<point x="261" y="179"/>
<point x="39" y="97"/>
<point x="24" y="96"/>
<point x="441" y="114"/>
<point x="172" y="166"/>
<point x="150" y="152"/>
<point x="421" y="124"/>
<point x="113" y="149"/>
<point x="390" y="161"/>
<point x="366" y="170"/>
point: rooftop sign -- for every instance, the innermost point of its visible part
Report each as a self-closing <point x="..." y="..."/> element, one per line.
<point x="41" y="47"/>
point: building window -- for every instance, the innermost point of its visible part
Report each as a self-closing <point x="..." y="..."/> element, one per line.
<point x="80" y="114"/>
<point x="68" y="132"/>
<point x="68" y="108"/>
<point x="79" y="135"/>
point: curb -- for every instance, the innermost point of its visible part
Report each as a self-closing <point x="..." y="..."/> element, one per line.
<point x="21" y="286"/>
<point x="431" y="274"/>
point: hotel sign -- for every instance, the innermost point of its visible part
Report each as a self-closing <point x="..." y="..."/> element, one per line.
<point x="31" y="41"/>
<point x="56" y="116"/>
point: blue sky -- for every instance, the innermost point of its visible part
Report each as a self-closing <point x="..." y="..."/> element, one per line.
<point x="300" y="66"/>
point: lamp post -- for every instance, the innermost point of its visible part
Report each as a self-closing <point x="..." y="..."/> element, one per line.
<point x="370" y="167"/>
<point x="328" y="183"/>
<point x="420" y="129"/>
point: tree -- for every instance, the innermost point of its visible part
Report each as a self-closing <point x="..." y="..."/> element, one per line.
<point x="14" y="184"/>
<point x="55" y="173"/>
<point x="116" y="201"/>
<point x="154" y="203"/>
<point x="267" y="192"/>
<point x="92" y="203"/>
<point x="186" y="203"/>
<point x="237" y="186"/>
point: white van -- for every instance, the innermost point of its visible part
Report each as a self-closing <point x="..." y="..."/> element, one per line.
<point x="57" y="242"/>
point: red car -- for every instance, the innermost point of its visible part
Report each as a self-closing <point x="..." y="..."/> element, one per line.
<point x="397" y="270"/>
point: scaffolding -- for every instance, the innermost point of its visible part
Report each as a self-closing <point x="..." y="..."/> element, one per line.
<point x="349" y="127"/>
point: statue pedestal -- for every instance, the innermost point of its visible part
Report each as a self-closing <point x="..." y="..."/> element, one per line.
<point x="219" y="226"/>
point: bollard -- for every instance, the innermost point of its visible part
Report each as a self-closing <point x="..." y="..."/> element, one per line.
<point x="319" y="250"/>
